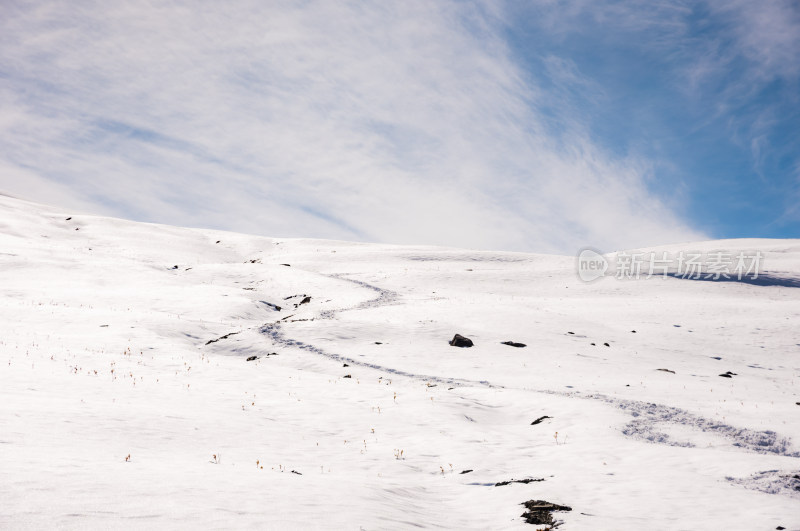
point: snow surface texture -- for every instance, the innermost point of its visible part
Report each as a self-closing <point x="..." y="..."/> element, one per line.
<point x="126" y="400"/>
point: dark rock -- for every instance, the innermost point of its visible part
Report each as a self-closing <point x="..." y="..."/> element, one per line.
<point x="728" y="374"/>
<point x="347" y="376"/>
<point x="76" y="228"/>
<point x="513" y="344"/>
<point x="345" y="365"/>
<point x="252" y="358"/>
<point x="465" y="471"/>
<point x="296" y="472"/>
<point x="666" y="370"/>
<point x="571" y="333"/>
<point x="273" y="306"/>
<point x="174" y="267"/>
<point x="593" y="344"/>
<point x="525" y="481"/>
<point x="539" y="512"/>
<point x="716" y="358"/>
<point x="378" y="343"/>
<point x="633" y="331"/>
<point x="226" y="336"/>
<point x="287" y="265"/>
<point x="69" y="218"/>
<point x="606" y="344"/>
<point x="780" y="527"/>
<point x="218" y="241"/>
<point x="461" y="341"/>
<point x="539" y="420"/>
<point x="305" y="301"/>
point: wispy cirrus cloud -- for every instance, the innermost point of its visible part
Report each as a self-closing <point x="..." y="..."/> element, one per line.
<point x="406" y="122"/>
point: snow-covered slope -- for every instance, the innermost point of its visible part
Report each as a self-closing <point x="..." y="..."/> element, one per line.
<point x="127" y="401"/>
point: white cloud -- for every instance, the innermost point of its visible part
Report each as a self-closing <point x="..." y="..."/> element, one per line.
<point x="406" y="122"/>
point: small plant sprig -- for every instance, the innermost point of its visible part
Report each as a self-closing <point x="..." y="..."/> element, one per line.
<point x="216" y="459"/>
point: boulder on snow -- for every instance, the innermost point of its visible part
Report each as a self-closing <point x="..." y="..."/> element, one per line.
<point x="513" y="344"/>
<point x="461" y="341"/>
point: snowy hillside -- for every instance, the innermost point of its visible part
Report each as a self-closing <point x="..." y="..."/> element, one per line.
<point x="127" y="399"/>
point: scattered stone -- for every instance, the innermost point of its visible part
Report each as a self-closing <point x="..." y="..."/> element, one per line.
<point x="716" y="358"/>
<point x="296" y="472"/>
<point x="378" y="343"/>
<point x="69" y="218"/>
<point x="347" y="376"/>
<point x="305" y="301"/>
<point x="606" y="344"/>
<point x="666" y="370"/>
<point x="593" y="344"/>
<point x="103" y="326"/>
<point x="539" y="512"/>
<point x="218" y="241"/>
<point x="173" y="267"/>
<point x="252" y="358"/>
<point x="525" y="481"/>
<point x="466" y="471"/>
<point x="514" y="344"/>
<point x="728" y="374"/>
<point x="633" y="331"/>
<point x="539" y="420"/>
<point x="286" y="265"/>
<point x="571" y="333"/>
<point x="345" y="365"/>
<point x="76" y="228"/>
<point x="461" y="341"/>
<point x="273" y="306"/>
<point x="780" y="527"/>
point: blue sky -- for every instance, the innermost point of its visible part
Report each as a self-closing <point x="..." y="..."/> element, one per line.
<point x="534" y="126"/>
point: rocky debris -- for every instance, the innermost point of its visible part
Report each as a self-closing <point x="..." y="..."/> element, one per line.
<point x="347" y="376"/>
<point x="174" y="267"/>
<point x="69" y="218"/>
<point x="606" y="344"/>
<point x="633" y="331"/>
<point x="466" y="471"/>
<point x="286" y="265"/>
<point x="378" y="343"/>
<point x="514" y="344"/>
<point x="226" y="336"/>
<point x="666" y="370"/>
<point x="254" y="261"/>
<point x="217" y="241"/>
<point x="293" y="296"/>
<point x="728" y="374"/>
<point x="461" y="341"/>
<point x="716" y="358"/>
<point x="252" y="358"/>
<point x="593" y="344"/>
<point x="345" y="365"/>
<point x="306" y="300"/>
<point x="296" y="472"/>
<point x="525" y="481"/>
<point x="571" y="333"/>
<point x="539" y="420"/>
<point x="273" y="306"/>
<point x="539" y="512"/>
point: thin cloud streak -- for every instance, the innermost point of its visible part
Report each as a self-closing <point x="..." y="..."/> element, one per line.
<point x="407" y="123"/>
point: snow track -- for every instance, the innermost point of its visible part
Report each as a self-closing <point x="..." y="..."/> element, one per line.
<point x="384" y="298"/>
